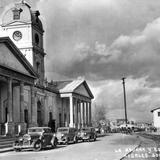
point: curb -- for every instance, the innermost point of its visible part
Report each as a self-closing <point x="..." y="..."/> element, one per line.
<point x="6" y="150"/>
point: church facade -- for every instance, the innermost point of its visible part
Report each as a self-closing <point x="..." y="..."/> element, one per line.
<point x="26" y="98"/>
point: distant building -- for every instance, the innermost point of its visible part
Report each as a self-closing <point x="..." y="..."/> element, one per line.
<point x="156" y="117"/>
<point x="26" y="98"/>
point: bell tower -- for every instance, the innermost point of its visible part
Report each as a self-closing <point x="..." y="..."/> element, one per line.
<point x="25" y="29"/>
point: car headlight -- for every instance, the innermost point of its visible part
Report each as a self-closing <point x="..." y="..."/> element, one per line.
<point x="20" y="139"/>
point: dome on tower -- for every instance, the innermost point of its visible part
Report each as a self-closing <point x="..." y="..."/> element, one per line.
<point x="21" y="12"/>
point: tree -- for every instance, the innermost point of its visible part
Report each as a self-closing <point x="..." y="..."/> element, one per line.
<point x="99" y="114"/>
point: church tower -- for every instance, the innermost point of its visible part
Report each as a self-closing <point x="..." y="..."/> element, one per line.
<point x="25" y="29"/>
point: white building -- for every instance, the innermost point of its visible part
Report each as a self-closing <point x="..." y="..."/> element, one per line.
<point x="156" y="117"/>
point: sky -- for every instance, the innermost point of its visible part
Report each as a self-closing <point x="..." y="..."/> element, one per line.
<point x="103" y="41"/>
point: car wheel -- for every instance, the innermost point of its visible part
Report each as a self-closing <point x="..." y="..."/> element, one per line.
<point x="37" y="146"/>
<point x="90" y="138"/>
<point x="55" y="143"/>
<point x="75" y="140"/>
<point x="67" y="141"/>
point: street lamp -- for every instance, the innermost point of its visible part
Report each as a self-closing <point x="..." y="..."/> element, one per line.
<point x="125" y="106"/>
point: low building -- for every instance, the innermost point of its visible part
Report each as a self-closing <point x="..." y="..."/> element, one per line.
<point x="156" y="117"/>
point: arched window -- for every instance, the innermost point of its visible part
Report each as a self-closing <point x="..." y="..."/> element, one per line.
<point x="39" y="114"/>
<point x="38" y="67"/>
<point x="50" y="116"/>
<point x="26" y="120"/>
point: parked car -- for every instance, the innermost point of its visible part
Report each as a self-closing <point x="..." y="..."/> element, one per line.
<point x="66" y="135"/>
<point x="87" y="134"/>
<point x="36" y="138"/>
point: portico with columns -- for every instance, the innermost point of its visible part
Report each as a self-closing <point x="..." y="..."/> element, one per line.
<point x="15" y="78"/>
<point x="79" y="98"/>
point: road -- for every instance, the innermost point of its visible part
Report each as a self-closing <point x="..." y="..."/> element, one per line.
<point x="110" y="147"/>
<point x="148" y="150"/>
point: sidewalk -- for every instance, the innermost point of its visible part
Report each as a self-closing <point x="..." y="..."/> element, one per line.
<point x="6" y="150"/>
<point x="120" y="145"/>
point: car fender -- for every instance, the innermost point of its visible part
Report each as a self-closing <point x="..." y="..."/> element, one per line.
<point x="37" y="140"/>
<point x="53" y="140"/>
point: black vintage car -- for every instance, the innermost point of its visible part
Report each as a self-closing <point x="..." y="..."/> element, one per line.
<point x="87" y="134"/>
<point x="36" y="138"/>
<point x="66" y="135"/>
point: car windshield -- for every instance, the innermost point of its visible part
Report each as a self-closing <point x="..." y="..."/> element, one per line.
<point x="35" y="130"/>
<point x="63" y="130"/>
<point x="85" y="129"/>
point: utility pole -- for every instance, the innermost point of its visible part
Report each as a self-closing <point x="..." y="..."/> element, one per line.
<point x="125" y="106"/>
<point x="1" y="4"/>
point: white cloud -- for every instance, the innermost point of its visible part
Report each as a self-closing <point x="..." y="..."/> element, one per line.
<point x="104" y="40"/>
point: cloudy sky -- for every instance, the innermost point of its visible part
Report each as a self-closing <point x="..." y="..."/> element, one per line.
<point x="102" y="41"/>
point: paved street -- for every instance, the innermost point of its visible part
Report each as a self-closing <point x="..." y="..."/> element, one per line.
<point x="148" y="150"/>
<point x="110" y="147"/>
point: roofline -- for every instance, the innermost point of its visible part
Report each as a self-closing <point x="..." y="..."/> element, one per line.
<point x="76" y="94"/>
<point x="155" y="109"/>
<point x="47" y="89"/>
<point x="13" y="47"/>
<point x="88" y="89"/>
<point x="85" y="84"/>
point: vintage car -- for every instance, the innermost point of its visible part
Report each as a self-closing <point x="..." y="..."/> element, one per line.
<point x="66" y="135"/>
<point x="36" y="138"/>
<point x="87" y="134"/>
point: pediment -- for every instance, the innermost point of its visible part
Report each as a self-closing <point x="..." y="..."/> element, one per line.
<point x="82" y="90"/>
<point x="10" y="60"/>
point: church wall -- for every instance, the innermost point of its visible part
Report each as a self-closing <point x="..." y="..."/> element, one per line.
<point x="63" y="109"/>
<point x="66" y="111"/>
<point x="3" y="99"/>
<point x="50" y="106"/>
<point x="59" y="110"/>
<point x="25" y="41"/>
<point x="35" y="31"/>
<point x="27" y="102"/>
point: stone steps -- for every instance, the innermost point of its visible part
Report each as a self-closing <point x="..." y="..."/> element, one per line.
<point x="6" y="142"/>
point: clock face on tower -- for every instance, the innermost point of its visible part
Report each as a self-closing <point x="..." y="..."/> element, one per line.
<point x="17" y="35"/>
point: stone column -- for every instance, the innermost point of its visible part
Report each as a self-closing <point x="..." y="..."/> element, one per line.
<point x="10" y="100"/>
<point x="33" y="108"/>
<point x="86" y="113"/>
<point x="81" y="106"/>
<point x="22" y="125"/>
<point x="75" y="113"/>
<point x="90" y="114"/>
<point x="21" y="102"/>
<point x="83" y="114"/>
<point x="71" y="111"/>
<point x="80" y="122"/>
<point x="9" y="126"/>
